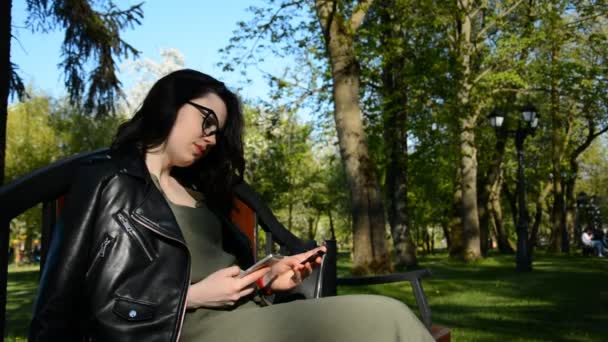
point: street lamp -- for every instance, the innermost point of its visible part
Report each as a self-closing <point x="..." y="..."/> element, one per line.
<point x="526" y="126"/>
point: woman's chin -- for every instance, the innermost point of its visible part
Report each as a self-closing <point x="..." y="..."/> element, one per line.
<point x="186" y="163"/>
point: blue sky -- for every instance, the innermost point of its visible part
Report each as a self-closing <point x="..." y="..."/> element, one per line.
<point x="197" y="28"/>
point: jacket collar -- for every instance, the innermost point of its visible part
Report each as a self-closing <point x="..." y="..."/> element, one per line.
<point x="130" y="160"/>
<point x="153" y="211"/>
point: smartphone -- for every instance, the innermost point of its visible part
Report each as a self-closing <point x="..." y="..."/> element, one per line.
<point x="313" y="257"/>
<point x="268" y="260"/>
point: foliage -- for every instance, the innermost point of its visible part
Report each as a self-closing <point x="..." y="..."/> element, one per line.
<point x="296" y="177"/>
<point x="147" y="71"/>
<point x="514" y="52"/>
<point x="594" y="175"/>
<point x="41" y="131"/>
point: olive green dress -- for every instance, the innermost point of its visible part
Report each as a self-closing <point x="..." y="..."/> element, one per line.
<point x="341" y="318"/>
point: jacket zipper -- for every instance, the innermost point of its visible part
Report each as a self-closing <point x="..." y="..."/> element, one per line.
<point x="129" y="228"/>
<point x="142" y="220"/>
<point x="101" y="254"/>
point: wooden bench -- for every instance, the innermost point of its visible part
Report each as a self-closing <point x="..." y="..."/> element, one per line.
<point x="49" y="184"/>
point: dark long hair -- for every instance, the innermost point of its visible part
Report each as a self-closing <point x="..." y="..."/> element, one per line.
<point x="216" y="173"/>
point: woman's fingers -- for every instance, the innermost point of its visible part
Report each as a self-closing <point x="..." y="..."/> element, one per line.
<point x="246" y="292"/>
<point x="232" y="271"/>
<point x="253" y="276"/>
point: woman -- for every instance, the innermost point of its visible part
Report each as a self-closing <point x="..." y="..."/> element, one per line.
<point x="145" y="252"/>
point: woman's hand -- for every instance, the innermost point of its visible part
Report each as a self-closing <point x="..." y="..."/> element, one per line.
<point x="222" y="288"/>
<point x="289" y="272"/>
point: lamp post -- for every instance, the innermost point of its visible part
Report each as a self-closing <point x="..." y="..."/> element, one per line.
<point x="526" y="126"/>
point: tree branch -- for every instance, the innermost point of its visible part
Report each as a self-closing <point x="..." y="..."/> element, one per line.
<point x="482" y="74"/>
<point x="493" y="23"/>
<point x="359" y="13"/>
<point x="265" y="27"/>
<point x="590" y="137"/>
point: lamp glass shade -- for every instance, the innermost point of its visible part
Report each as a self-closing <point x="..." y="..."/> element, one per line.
<point x="496" y="121"/>
<point x="534" y="123"/>
<point x="529" y="113"/>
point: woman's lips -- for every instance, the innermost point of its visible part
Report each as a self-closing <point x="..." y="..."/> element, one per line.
<point x="200" y="149"/>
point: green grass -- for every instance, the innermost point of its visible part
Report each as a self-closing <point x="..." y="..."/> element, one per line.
<point x="22" y="285"/>
<point x="565" y="298"/>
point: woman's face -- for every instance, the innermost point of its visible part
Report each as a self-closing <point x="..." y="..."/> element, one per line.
<point x="187" y="143"/>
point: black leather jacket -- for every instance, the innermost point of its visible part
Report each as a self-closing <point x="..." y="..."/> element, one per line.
<point x="118" y="267"/>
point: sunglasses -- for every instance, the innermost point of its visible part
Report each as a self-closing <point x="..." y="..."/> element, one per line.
<point x="211" y="125"/>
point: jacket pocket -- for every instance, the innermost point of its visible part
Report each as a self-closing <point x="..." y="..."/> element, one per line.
<point x="134" y="310"/>
<point x="104" y="248"/>
<point x="135" y="235"/>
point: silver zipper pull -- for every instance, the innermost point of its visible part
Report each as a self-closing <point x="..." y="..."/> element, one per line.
<point x="125" y="222"/>
<point x="104" y="245"/>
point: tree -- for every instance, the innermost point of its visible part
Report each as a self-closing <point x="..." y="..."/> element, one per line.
<point x="339" y="24"/>
<point x="31" y="144"/>
<point x="402" y="54"/>
<point x="148" y="72"/>
<point x="569" y="69"/>
<point x="40" y="131"/>
<point x="92" y="37"/>
<point x="334" y="24"/>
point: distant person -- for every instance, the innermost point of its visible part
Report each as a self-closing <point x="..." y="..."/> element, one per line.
<point x="587" y="239"/>
<point x="36" y="252"/>
<point x="598" y="234"/>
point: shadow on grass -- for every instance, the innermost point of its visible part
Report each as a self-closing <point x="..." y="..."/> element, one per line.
<point x="564" y="298"/>
<point x="22" y="286"/>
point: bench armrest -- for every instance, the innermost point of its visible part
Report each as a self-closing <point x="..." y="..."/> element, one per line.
<point x="413" y="277"/>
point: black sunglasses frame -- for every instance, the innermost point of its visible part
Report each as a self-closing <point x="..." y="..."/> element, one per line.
<point x="207" y="112"/>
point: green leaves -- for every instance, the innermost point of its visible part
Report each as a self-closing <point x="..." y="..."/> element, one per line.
<point x="40" y="131"/>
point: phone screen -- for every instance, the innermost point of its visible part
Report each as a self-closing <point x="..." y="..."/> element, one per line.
<point x="268" y="260"/>
<point x="313" y="257"/>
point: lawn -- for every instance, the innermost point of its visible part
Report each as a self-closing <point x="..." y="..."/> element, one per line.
<point x="22" y="284"/>
<point x="565" y="298"/>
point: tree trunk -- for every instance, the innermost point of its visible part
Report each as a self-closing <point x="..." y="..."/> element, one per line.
<point x="456" y="233"/>
<point x="468" y="151"/>
<point x="558" y="211"/>
<point x="568" y="217"/>
<point x="289" y="214"/>
<point x="468" y="165"/>
<point x="502" y="238"/>
<point x="396" y="186"/>
<point x="5" y="74"/>
<point x="5" y="70"/>
<point x="484" y="225"/>
<point x="546" y="189"/>
<point x="394" y="91"/>
<point x="311" y="229"/>
<point x="427" y="240"/>
<point x="370" y="253"/>
<point x="489" y="184"/>
<point x="446" y="235"/>
<point x="512" y="203"/>
<point x="331" y="225"/>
